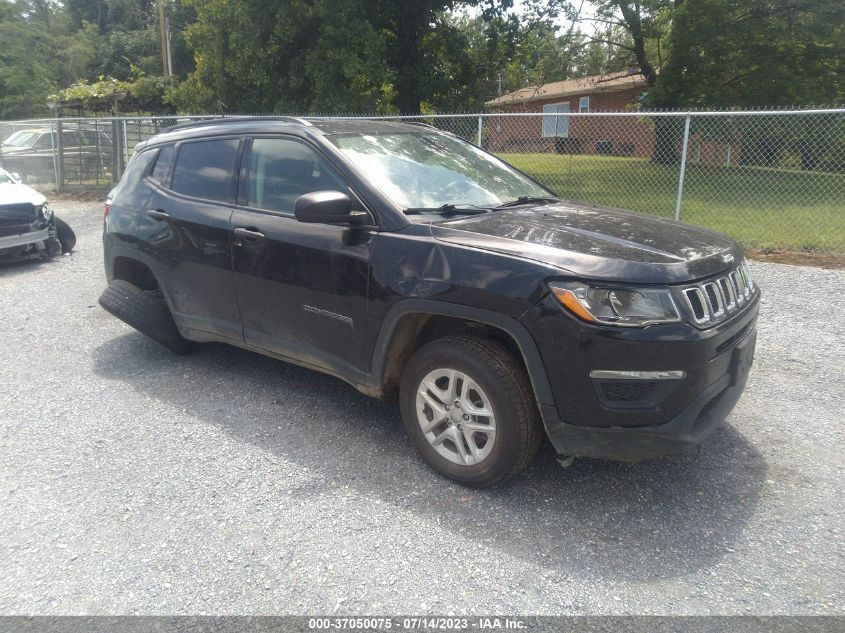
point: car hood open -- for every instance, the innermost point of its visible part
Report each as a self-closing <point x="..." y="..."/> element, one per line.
<point x="598" y="242"/>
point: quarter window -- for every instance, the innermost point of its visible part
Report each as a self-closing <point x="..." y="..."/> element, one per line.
<point x="281" y="170"/>
<point x="163" y="164"/>
<point x="135" y="170"/>
<point x="204" y="169"/>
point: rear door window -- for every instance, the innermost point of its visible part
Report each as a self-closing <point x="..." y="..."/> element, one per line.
<point x="205" y="169"/>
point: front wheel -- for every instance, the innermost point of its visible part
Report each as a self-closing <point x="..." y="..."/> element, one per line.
<point x="65" y="235"/>
<point x="468" y="406"/>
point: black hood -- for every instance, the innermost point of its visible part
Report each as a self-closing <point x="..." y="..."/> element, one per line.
<point x="598" y="242"/>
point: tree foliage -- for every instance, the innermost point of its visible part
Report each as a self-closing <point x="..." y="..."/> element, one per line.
<point x="754" y="53"/>
<point x="291" y="55"/>
<point x="392" y="56"/>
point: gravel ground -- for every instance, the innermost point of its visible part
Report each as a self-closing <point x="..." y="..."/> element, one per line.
<point x="133" y="481"/>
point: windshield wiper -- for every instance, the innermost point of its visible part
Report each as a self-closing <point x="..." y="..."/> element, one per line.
<point x="527" y="200"/>
<point x="467" y="209"/>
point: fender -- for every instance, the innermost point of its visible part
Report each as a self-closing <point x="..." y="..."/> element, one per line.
<point x="517" y="331"/>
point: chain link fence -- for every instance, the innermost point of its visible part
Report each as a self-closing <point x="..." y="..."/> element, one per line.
<point x="772" y="179"/>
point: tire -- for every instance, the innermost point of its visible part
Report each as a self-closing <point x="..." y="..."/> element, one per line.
<point x="65" y="235"/>
<point x="504" y="390"/>
<point x="146" y="311"/>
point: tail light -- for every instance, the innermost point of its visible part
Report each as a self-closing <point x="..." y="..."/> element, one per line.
<point x="106" y="208"/>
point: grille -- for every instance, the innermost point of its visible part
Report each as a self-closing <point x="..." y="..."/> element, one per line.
<point x="626" y="390"/>
<point x="15" y="214"/>
<point x="715" y="300"/>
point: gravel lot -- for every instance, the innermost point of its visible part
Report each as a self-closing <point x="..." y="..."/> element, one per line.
<point x="133" y="481"/>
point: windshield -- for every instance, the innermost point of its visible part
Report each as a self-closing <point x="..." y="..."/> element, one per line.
<point x="22" y="138"/>
<point x="5" y="178"/>
<point x="424" y="170"/>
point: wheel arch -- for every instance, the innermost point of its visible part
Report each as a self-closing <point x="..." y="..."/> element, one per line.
<point x="137" y="268"/>
<point x="135" y="272"/>
<point x="412" y="323"/>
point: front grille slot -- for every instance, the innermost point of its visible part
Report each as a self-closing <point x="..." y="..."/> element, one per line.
<point x="716" y="299"/>
<point x="695" y="298"/>
<point x="739" y="287"/>
<point x="727" y="292"/>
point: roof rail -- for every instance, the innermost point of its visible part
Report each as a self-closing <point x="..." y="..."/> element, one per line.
<point x="234" y="119"/>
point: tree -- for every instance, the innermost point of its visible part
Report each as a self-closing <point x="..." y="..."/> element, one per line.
<point x="638" y="27"/>
<point x="404" y="26"/>
<point x="754" y="53"/>
<point x="321" y="55"/>
<point x="29" y="71"/>
<point x="289" y="56"/>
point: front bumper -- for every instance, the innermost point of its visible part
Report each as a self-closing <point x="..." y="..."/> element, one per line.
<point x="716" y="364"/>
<point x="682" y="433"/>
<point x="24" y="239"/>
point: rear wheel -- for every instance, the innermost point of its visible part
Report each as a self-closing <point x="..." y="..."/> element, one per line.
<point x="468" y="406"/>
<point x="146" y="311"/>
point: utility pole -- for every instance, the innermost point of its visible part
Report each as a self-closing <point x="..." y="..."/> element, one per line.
<point x="167" y="41"/>
<point x="166" y="61"/>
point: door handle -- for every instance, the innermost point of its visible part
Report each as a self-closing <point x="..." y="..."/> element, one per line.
<point x="250" y="235"/>
<point x="158" y="214"/>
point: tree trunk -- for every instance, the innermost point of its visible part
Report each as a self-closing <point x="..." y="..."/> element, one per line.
<point x="666" y="133"/>
<point x="635" y="28"/>
<point x="412" y="22"/>
<point x="665" y="128"/>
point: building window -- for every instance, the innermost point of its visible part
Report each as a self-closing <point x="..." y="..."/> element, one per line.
<point x="556" y="125"/>
<point x="584" y="104"/>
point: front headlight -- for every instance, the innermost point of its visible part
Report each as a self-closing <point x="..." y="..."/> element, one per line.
<point x="627" y="307"/>
<point x="45" y="212"/>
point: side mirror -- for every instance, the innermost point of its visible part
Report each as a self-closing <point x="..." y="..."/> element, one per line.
<point x="327" y="207"/>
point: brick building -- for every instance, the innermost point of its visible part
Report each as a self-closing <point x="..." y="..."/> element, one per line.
<point x="614" y="92"/>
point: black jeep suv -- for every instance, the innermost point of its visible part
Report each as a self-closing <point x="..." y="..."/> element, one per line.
<point x="412" y="264"/>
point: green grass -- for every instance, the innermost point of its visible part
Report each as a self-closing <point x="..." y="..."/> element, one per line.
<point x="763" y="208"/>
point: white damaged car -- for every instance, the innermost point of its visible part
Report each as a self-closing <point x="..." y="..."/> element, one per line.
<point x="28" y="228"/>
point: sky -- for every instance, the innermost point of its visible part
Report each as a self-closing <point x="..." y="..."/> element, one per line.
<point x="563" y="24"/>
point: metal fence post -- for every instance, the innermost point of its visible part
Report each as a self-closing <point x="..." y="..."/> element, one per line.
<point x="683" y="170"/>
<point x="480" y="119"/>
<point x="125" y="144"/>
<point x="53" y="150"/>
<point x="116" y="152"/>
<point x="60" y="155"/>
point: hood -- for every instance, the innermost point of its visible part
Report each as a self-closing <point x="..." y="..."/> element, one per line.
<point x="598" y="242"/>
<point x="15" y="193"/>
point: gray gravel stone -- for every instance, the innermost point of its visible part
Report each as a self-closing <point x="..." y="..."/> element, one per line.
<point x="133" y="481"/>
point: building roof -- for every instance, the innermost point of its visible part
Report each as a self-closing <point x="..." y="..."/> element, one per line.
<point x="610" y="82"/>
